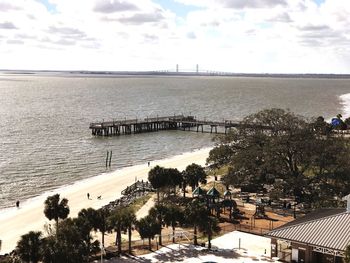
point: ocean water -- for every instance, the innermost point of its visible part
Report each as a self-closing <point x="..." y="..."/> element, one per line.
<point x="45" y="141"/>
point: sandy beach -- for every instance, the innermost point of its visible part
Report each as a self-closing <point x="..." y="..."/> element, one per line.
<point x="16" y="222"/>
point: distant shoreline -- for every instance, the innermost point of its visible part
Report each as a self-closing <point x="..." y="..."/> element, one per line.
<point x="169" y="74"/>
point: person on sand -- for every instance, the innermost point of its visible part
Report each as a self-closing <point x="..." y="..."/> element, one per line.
<point x="149" y="163"/>
<point x="88" y="196"/>
<point x="17" y="204"/>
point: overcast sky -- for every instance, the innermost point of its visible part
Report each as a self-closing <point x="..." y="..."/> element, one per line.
<point x="261" y="36"/>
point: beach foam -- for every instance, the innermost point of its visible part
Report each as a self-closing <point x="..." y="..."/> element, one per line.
<point x="16" y="222"/>
<point x="345" y="102"/>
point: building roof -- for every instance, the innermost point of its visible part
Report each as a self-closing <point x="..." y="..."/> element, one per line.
<point x="332" y="231"/>
<point x="227" y="193"/>
<point x="213" y="192"/>
<point x="198" y="191"/>
<point x="318" y="214"/>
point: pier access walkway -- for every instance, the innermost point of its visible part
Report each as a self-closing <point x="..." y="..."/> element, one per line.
<point x="181" y="122"/>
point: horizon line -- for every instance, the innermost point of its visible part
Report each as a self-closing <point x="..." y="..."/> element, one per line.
<point x="174" y="73"/>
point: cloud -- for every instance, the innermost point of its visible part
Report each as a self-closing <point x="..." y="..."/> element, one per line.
<point x="110" y="6"/>
<point x="283" y="18"/>
<point x="150" y="38"/>
<point x="5" y="7"/>
<point x="15" y="41"/>
<point x="191" y="35"/>
<point x="7" y="25"/>
<point x="240" y="4"/>
<point x="247" y="35"/>
<point x="235" y="4"/>
<point x="25" y="36"/>
<point x="314" y="28"/>
<point x="67" y="31"/>
<point x="141" y="18"/>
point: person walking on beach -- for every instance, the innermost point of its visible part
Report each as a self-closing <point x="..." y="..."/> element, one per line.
<point x="149" y="163"/>
<point x="88" y="196"/>
<point x="17" y="204"/>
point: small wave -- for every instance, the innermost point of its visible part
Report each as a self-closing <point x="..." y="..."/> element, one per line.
<point x="345" y="102"/>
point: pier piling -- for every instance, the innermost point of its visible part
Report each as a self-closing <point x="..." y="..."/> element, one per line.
<point x="175" y="122"/>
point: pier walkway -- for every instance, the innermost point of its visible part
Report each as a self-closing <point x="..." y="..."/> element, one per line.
<point x="175" y="122"/>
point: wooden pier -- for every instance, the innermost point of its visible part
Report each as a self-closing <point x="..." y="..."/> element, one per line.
<point x="176" y="122"/>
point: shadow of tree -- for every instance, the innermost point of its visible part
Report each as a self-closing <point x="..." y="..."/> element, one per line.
<point x="192" y="251"/>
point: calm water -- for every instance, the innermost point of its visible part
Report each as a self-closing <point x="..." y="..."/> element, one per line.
<point x="44" y="136"/>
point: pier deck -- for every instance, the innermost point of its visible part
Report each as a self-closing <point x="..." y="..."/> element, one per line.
<point x="175" y="122"/>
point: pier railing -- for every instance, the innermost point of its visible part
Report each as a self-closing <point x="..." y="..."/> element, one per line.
<point x="174" y="122"/>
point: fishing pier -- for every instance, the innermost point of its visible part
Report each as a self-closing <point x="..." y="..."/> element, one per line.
<point x="175" y="122"/>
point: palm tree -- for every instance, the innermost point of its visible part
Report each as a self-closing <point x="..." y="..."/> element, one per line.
<point x="85" y="223"/>
<point x="195" y="212"/>
<point x="68" y="245"/>
<point x="209" y="225"/>
<point x="158" y="212"/>
<point x="174" y="178"/>
<point x="157" y="178"/>
<point x="122" y="220"/>
<point x="194" y="175"/>
<point x="100" y="223"/>
<point x="129" y="221"/>
<point x="29" y="247"/>
<point x="56" y="209"/>
<point x="148" y="227"/>
<point x="173" y="217"/>
<point x="115" y="222"/>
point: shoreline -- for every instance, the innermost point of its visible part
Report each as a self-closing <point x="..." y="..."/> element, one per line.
<point x="13" y="221"/>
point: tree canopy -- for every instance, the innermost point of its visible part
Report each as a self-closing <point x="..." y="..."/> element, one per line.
<point x="194" y="174"/>
<point x="29" y="247"/>
<point x="56" y="208"/>
<point x="278" y="144"/>
<point x="347" y="254"/>
<point x="162" y="179"/>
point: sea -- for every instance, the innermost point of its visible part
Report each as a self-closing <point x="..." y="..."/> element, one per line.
<point x="45" y="141"/>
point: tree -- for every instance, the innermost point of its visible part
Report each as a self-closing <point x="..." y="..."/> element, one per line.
<point x="122" y="220"/>
<point x="29" y="247"/>
<point x="221" y="154"/>
<point x="56" y="209"/>
<point x="158" y="212"/>
<point x="209" y="225"/>
<point x="148" y="227"/>
<point x="129" y="219"/>
<point x="85" y="223"/>
<point x="347" y="254"/>
<point x="116" y="222"/>
<point x="100" y="223"/>
<point x="195" y="212"/>
<point x="173" y="217"/>
<point x="194" y="175"/>
<point x="277" y="144"/>
<point x="174" y="177"/>
<point x="157" y="178"/>
<point x="67" y="246"/>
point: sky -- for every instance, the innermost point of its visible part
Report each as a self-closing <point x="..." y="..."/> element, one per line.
<point x="240" y="36"/>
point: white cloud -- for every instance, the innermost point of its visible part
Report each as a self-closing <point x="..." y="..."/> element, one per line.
<point x="228" y="35"/>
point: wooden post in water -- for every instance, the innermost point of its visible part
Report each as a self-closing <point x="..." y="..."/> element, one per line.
<point x="107" y="159"/>
<point x="110" y="159"/>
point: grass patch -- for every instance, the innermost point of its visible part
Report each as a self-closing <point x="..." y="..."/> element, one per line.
<point x="140" y="202"/>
